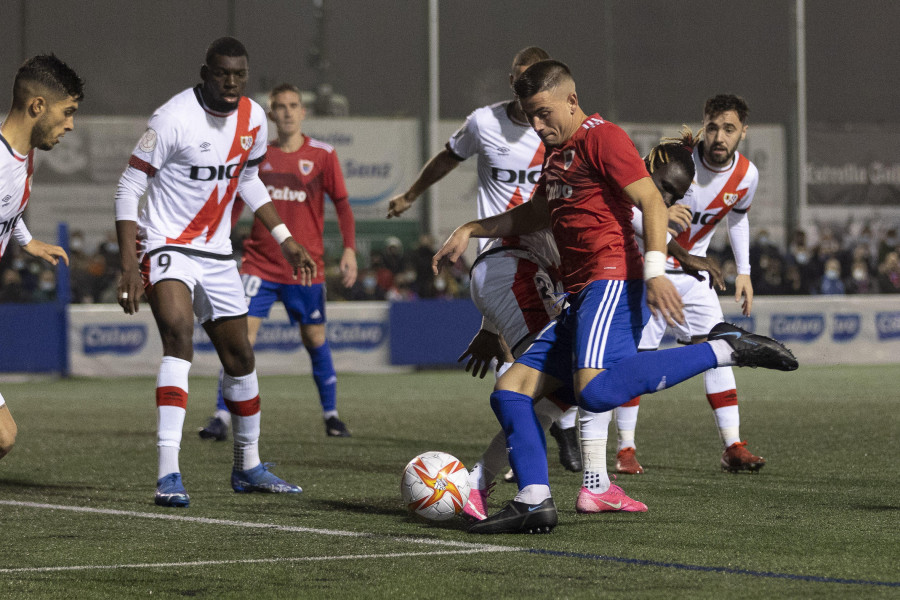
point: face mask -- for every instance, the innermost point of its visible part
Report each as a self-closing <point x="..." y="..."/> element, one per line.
<point x="46" y="286"/>
<point x="859" y="274"/>
<point x="802" y="257"/>
<point x="18" y="264"/>
<point x="763" y="240"/>
<point x="369" y="283"/>
<point x="76" y="244"/>
<point x="832" y="274"/>
<point x="440" y="285"/>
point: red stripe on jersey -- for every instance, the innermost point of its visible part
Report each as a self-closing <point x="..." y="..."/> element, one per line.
<point x="142" y="165"/>
<point x="538" y="158"/>
<point x="529" y="299"/>
<point x="210" y="216"/>
<point x="30" y="171"/>
<point x="247" y="408"/>
<point x="685" y="239"/>
<point x="515" y="200"/>
<point x="170" y="395"/>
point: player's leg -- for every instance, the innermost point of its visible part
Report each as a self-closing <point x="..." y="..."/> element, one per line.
<point x="222" y="310"/>
<point x="8" y="429"/>
<point x="647" y="372"/>
<point x="260" y="296"/>
<point x="533" y="509"/>
<point x="598" y="493"/>
<point x="170" y="300"/>
<point x="324" y="375"/>
<point x="703" y="311"/>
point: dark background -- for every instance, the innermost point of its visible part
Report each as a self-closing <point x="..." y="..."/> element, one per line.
<point x="652" y="61"/>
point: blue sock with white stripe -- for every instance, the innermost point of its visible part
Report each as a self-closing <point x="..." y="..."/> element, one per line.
<point x="324" y="376"/>
<point x="525" y="440"/>
<point x="645" y="373"/>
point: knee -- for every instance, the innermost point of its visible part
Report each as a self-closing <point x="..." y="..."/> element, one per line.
<point x="238" y="362"/>
<point x="178" y="342"/>
<point x="7" y="440"/>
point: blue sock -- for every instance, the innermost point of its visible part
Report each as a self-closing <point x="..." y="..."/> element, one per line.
<point x="324" y="375"/>
<point x="524" y="437"/>
<point x="645" y="373"/>
<point x="220" y="399"/>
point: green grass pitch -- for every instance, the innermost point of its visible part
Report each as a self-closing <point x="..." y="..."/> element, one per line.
<point x="821" y="520"/>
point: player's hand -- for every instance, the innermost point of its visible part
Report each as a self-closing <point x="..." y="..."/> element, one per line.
<point x="452" y="249"/>
<point x="130" y="290"/>
<point x="664" y="299"/>
<point x="679" y="218"/>
<point x="743" y="288"/>
<point x="46" y="251"/>
<point x="485" y="347"/>
<point x="693" y="265"/>
<point x="303" y="264"/>
<point x="348" y="267"/>
<point x="398" y="205"/>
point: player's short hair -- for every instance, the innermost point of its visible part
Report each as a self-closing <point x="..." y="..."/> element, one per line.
<point x="43" y="73"/>
<point x="541" y="76"/>
<point x="725" y="102"/>
<point x="674" y="150"/>
<point x="226" y="46"/>
<point x="284" y="87"/>
<point x="528" y="56"/>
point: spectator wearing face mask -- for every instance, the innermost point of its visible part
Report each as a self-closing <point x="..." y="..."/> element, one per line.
<point x="831" y="283"/>
<point x="860" y="280"/>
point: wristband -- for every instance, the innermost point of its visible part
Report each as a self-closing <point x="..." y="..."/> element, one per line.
<point x="281" y="233"/>
<point x="654" y="264"/>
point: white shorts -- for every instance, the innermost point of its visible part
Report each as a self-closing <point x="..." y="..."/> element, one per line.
<point x="515" y="294"/>
<point x="2" y="401"/>
<point x="215" y="284"/>
<point x="701" y="312"/>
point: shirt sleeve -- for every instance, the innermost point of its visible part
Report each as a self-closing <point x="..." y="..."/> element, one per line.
<point x="250" y="187"/>
<point x="21" y="233"/>
<point x="611" y="151"/>
<point x="337" y="191"/>
<point x="465" y="142"/>
<point x="153" y="149"/>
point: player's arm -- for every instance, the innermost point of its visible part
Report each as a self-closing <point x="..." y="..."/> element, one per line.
<point x="36" y="248"/>
<point x="347" y="225"/>
<point x="525" y="218"/>
<point x="661" y="293"/>
<point x="694" y="265"/>
<point x="434" y="170"/>
<point x="132" y="186"/>
<point x="739" y="236"/>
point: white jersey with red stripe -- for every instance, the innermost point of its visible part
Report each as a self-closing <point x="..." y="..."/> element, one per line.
<point x="510" y="155"/>
<point x="15" y="188"/>
<point x="195" y="158"/>
<point x="715" y="194"/>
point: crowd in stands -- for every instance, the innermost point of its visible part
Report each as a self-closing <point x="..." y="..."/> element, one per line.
<point x="856" y="258"/>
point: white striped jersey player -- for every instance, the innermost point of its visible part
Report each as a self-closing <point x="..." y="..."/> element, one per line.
<point x="15" y="188"/>
<point x="195" y="161"/>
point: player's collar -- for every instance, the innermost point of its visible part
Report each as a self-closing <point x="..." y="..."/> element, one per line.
<point x="206" y="108"/>
<point x="15" y="155"/>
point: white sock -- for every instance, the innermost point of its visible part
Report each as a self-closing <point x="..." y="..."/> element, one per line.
<point x="224" y="416"/>
<point x="547" y="412"/>
<point x="567" y="420"/>
<point x="533" y="494"/>
<point x="327" y="414"/>
<point x="626" y="423"/>
<point x="723" y="351"/>
<point x="492" y="462"/>
<point x="171" y="380"/>
<point x="728" y="421"/>
<point x="238" y="391"/>
<point x="595" y="477"/>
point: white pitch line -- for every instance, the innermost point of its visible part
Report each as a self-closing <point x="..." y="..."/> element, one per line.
<point x="206" y="563"/>
<point x="289" y="528"/>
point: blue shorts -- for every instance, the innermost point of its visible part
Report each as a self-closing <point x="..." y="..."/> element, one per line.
<point x="601" y="326"/>
<point x="305" y="304"/>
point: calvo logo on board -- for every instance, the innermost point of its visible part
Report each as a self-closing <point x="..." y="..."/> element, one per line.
<point x="798" y="327"/>
<point x="113" y="339"/>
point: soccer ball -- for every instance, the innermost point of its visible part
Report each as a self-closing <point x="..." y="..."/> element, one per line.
<point x="435" y="486"/>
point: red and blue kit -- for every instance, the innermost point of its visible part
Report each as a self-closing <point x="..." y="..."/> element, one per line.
<point x="297" y="183"/>
<point x="590" y="214"/>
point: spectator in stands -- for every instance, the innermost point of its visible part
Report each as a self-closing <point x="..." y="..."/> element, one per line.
<point x="889" y="243"/>
<point x="889" y="274"/>
<point x="770" y="279"/>
<point x="11" y="289"/>
<point x="831" y="283"/>
<point x="424" y="276"/>
<point x="392" y="256"/>
<point x="861" y="280"/>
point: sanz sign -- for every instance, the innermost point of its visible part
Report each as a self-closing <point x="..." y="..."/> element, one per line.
<point x="800" y="328"/>
<point x="846" y="327"/>
<point x="113" y="339"/>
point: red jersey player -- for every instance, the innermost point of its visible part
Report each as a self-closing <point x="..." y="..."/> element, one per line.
<point x="201" y="148"/>
<point x="46" y="93"/>
<point x="591" y="177"/>
<point x="298" y="172"/>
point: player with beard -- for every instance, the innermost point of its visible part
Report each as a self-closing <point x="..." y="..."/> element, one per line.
<point x="591" y="179"/>
<point x="723" y="190"/>
<point x="200" y="149"/>
<point x="46" y="94"/>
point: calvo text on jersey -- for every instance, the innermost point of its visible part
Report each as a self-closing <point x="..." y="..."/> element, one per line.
<point x="558" y="190"/>
<point x="216" y="173"/>
<point x="286" y="193"/>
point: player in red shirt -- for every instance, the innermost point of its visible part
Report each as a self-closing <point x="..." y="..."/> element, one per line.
<point x="592" y="176"/>
<point x="298" y="172"/>
<point x="46" y="93"/>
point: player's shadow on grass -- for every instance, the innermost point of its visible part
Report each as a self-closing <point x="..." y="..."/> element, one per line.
<point x="368" y="507"/>
<point x="12" y="485"/>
